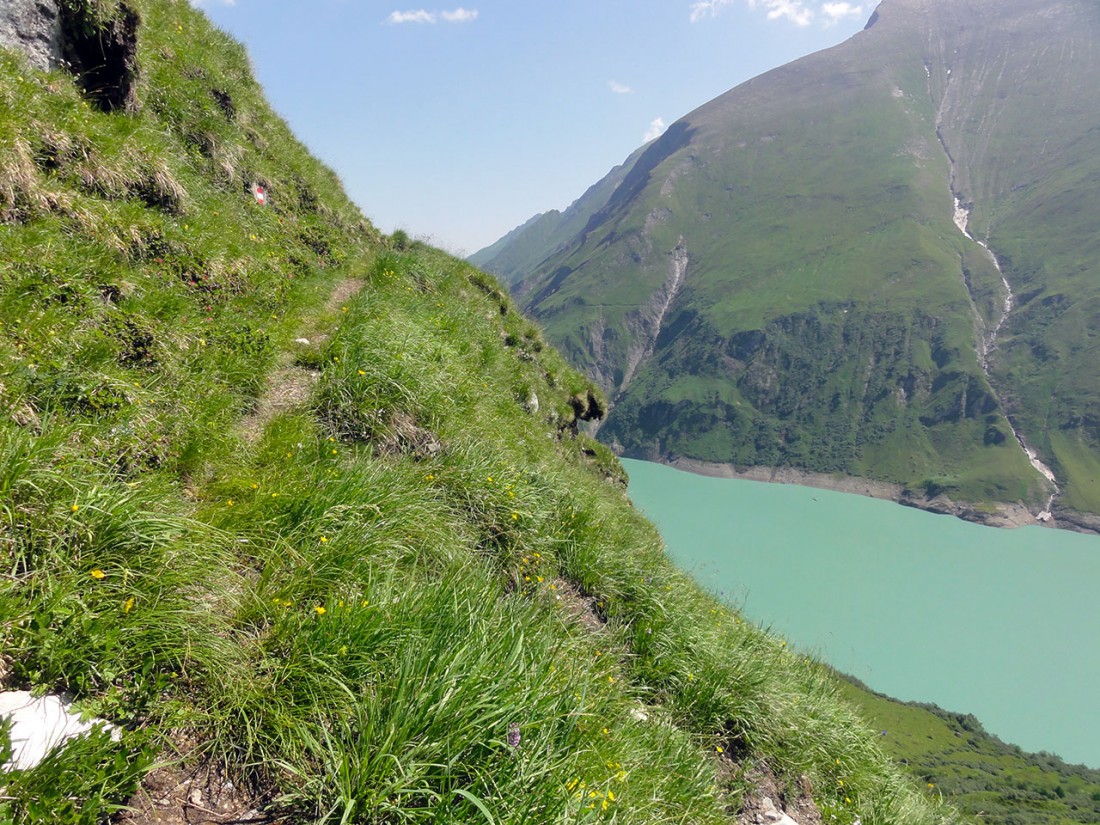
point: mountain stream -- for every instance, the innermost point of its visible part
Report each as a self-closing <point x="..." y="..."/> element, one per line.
<point x="989" y="342"/>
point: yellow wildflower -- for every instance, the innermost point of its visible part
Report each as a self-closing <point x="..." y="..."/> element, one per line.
<point x="128" y="605"/>
<point x="324" y="539"/>
<point x="320" y="610"/>
<point x="97" y="574"/>
<point x="75" y="507"/>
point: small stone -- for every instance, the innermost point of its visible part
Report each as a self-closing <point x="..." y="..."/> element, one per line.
<point x="769" y="808"/>
<point x="302" y="341"/>
<point x="195" y="797"/>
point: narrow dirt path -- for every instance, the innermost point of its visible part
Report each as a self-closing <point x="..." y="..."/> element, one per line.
<point x="289" y="385"/>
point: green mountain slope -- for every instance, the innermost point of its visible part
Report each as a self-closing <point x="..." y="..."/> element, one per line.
<point x="525" y="247"/>
<point x="304" y="511"/>
<point x="780" y="278"/>
<point x="952" y="755"/>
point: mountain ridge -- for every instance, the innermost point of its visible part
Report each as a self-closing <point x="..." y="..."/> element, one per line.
<point x="836" y="174"/>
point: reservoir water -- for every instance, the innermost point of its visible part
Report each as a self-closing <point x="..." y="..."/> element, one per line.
<point x="1003" y="624"/>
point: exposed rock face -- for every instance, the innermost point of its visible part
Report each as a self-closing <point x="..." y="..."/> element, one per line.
<point x="102" y="53"/>
<point x="33" y="27"/>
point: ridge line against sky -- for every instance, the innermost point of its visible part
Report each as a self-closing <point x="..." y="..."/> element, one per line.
<point x="457" y="123"/>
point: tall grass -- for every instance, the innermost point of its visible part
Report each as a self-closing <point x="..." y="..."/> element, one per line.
<point x="412" y="597"/>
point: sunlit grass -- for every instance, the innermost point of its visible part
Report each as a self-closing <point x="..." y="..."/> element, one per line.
<point x="412" y="592"/>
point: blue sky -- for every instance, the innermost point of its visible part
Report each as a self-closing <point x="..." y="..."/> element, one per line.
<point x="458" y="121"/>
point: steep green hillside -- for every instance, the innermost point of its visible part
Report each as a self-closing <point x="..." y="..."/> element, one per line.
<point x="780" y="278"/>
<point x="953" y="755"/>
<point x="305" y="513"/>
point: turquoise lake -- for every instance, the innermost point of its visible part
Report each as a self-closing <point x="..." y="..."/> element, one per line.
<point x="1003" y="624"/>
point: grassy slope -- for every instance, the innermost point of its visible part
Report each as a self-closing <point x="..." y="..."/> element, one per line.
<point x="952" y="755"/>
<point x="352" y="603"/>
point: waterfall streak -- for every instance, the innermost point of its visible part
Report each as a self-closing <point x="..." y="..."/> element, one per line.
<point x="989" y="342"/>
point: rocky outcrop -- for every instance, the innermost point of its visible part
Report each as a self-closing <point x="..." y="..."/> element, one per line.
<point x="101" y="52"/>
<point x="34" y="28"/>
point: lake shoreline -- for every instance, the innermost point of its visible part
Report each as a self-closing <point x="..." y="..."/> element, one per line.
<point x="1004" y="515"/>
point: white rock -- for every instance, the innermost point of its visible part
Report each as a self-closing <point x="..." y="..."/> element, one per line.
<point x="302" y="341"/>
<point x="772" y="814"/>
<point x="40" y="724"/>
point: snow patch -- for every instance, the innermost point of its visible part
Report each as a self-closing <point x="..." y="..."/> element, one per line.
<point x="41" y="723"/>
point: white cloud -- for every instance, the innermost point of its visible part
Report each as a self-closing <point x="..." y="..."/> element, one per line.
<point x="461" y="15"/>
<point x="619" y="88"/>
<point x="793" y="10"/>
<point x="799" y="12"/>
<point x="655" y="130"/>
<point x="207" y="2"/>
<point x="837" y="11"/>
<point x="707" y="8"/>
<point x="418" y="16"/>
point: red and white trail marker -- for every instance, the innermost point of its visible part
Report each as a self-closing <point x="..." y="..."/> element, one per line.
<point x="260" y="194"/>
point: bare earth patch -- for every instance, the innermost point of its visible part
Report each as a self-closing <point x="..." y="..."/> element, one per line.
<point x="578" y="605"/>
<point x="173" y="795"/>
<point x="344" y="291"/>
<point x="289" y="387"/>
<point x="766" y="804"/>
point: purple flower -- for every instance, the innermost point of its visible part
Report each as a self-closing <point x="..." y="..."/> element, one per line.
<point x="513" y="734"/>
